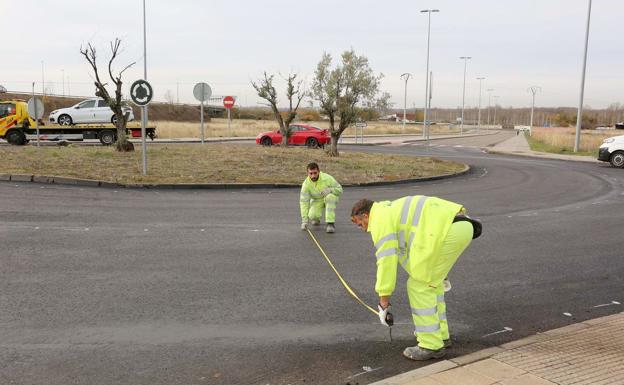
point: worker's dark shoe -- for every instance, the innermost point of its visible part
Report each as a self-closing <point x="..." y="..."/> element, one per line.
<point x="315" y="222"/>
<point x="448" y="343"/>
<point x="330" y="228"/>
<point x="417" y="353"/>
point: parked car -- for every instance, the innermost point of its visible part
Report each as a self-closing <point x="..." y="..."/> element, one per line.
<point x="88" y="111"/>
<point x="301" y="135"/>
<point x="612" y="150"/>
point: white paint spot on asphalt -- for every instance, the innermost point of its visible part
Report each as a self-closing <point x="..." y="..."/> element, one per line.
<point x="505" y="330"/>
<point x="115" y="191"/>
<point x="42" y="187"/>
<point x="509" y="216"/>
<point x="202" y="230"/>
<point x="366" y="369"/>
<point x="37" y="228"/>
<point x="145" y="230"/>
<point x="608" y="304"/>
<point x="86" y="229"/>
<point x="255" y="230"/>
<point x="567" y="314"/>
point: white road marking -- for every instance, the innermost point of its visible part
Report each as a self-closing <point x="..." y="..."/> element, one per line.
<point x="567" y="314"/>
<point x="505" y="330"/>
<point x="145" y="230"/>
<point x="366" y="369"/>
<point x="608" y="304"/>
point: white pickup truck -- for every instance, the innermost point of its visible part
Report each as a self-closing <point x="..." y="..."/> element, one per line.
<point x="612" y="150"/>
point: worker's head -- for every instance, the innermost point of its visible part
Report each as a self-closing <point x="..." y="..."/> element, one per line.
<point x="313" y="171"/>
<point x="360" y="213"/>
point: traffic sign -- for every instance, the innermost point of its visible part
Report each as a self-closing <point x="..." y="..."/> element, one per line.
<point x="141" y="92"/>
<point x="202" y="92"/>
<point x="228" y="102"/>
<point x="360" y="124"/>
<point x="35" y="108"/>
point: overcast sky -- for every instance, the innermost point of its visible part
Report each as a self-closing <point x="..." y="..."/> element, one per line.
<point x="514" y="45"/>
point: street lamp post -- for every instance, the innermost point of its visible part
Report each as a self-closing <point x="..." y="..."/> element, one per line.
<point x="579" y="115"/>
<point x="495" y="97"/>
<point x="425" y="128"/>
<point x="461" y="126"/>
<point x="405" y="77"/>
<point x="144" y="108"/>
<point x="480" y="79"/>
<point x="534" y="90"/>
<point x="489" y="91"/>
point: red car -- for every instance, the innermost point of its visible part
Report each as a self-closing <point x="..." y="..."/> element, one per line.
<point x="301" y="134"/>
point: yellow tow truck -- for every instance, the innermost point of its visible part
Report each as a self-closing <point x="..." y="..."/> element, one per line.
<point x="18" y="128"/>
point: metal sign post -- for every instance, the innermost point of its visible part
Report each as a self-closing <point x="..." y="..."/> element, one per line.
<point x="35" y="110"/>
<point x="141" y="93"/>
<point x="228" y="102"/>
<point x="202" y="92"/>
<point x="361" y="126"/>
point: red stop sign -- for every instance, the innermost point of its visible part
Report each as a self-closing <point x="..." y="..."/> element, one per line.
<point x="228" y="102"/>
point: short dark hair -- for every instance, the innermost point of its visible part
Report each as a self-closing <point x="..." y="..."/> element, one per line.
<point x="363" y="206"/>
<point x="313" y="166"/>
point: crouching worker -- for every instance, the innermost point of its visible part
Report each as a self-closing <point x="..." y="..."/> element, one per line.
<point x="425" y="235"/>
<point x="319" y="191"/>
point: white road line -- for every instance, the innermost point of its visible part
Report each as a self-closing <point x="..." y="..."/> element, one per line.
<point x="505" y="330"/>
<point x="608" y="304"/>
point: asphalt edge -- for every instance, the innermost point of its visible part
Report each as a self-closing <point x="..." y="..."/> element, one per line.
<point x="204" y="186"/>
<point x="444" y="365"/>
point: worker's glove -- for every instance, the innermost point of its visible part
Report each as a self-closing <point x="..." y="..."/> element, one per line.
<point x="326" y="192"/>
<point x="385" y="316"/>
<point x="304" y="226"/>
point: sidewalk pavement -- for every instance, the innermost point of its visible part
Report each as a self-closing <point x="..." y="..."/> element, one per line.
<point x="518" y="145"/>
<point x="590" y="352"/>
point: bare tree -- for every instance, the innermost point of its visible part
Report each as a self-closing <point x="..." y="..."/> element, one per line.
<point x="339" y="91"/>
<point x="115" y="103"/>
<point x="294" y="93"/>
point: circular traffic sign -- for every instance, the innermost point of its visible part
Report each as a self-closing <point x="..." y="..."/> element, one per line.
<point x="141" y="92"/>
<point x="202" y="92"/>
<point x="35" y="108"/>
<point x="228" y="102"/>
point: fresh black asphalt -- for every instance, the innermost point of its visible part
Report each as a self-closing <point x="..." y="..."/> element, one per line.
<point x="139" y="286"/>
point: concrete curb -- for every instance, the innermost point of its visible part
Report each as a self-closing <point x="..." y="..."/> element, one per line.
<point x="444" y="365"/>
<point x="204" y="186"/>
<point x="544" y="155"/>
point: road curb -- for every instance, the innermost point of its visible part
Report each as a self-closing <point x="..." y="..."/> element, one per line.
<point x="444" y="365"/>
<point x="203" y="186"/>
<point x="541" y="155"/>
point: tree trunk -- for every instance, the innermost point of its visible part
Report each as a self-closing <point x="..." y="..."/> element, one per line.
<point x="122" y="144"/>
<point x="333" y="147"/>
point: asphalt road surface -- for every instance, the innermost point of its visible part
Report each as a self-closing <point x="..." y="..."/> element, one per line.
<point x="102" y="286"/>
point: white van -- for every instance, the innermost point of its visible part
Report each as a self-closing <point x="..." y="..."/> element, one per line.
<point x="612" y="150"/>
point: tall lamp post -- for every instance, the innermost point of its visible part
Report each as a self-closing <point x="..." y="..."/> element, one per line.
<point x="480" y="79"/>
<point x="579" y="115"/>
<point x="461" y="126"/>
<point x="425" y="128"/>
<point x="489" y="91"/>
<point x="495" y="97"/>
<point x="534" y="90"/>
<point x="405" y="77"/>
<point x="144" y="108"/>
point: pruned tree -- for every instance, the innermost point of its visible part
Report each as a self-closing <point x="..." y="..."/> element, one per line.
<point x="115" y="103"/>
<point x="295" y="93"/>
<point x="339" y="91"/>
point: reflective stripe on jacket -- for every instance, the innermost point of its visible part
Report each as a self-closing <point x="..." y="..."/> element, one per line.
<point x="409" y="231"/>
<point x="312" y="190"/>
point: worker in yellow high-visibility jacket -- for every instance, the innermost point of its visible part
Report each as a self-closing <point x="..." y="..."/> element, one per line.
<point x="425" y="235"/>
<point x="319" y="190"/>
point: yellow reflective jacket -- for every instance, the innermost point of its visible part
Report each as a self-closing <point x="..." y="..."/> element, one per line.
<point x="409" y="231"/>
<point x="312" y="190"/>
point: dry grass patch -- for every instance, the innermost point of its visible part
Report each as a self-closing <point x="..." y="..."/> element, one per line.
<point x="245" y="128"/>
<point x="215" y="163"/>
<point x="560" y="140"/>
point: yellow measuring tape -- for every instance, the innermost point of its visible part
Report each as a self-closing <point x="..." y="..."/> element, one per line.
<point x="344" y="283"/>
